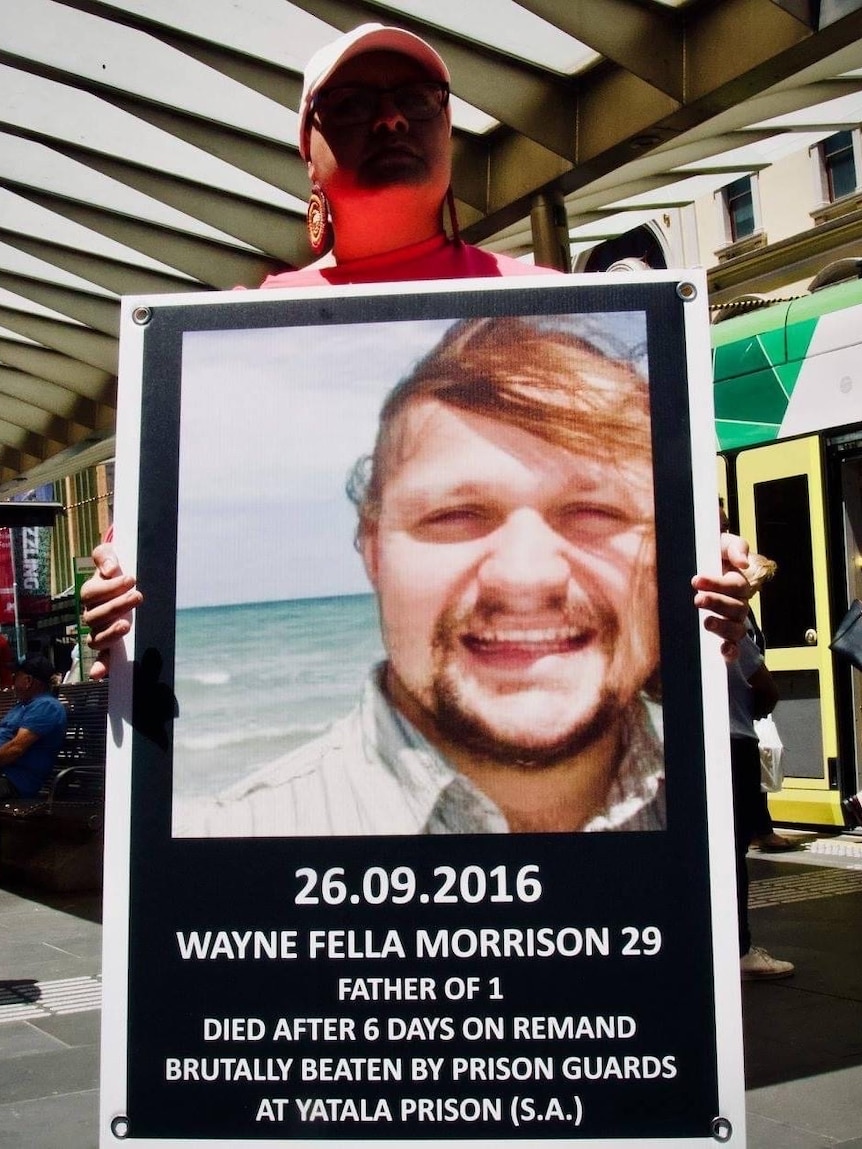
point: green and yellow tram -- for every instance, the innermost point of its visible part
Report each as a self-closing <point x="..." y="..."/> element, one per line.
<point x="788" y="408"/>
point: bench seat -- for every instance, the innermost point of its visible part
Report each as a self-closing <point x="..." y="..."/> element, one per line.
<point x="54" y="840"/>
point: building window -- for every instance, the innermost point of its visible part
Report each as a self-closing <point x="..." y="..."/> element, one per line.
<point x="740" y="226"/>
<point x="739" y="205"/>
<point x="839" y="165"/>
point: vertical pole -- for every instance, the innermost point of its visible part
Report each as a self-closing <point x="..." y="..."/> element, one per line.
<point x="551" y="232"/>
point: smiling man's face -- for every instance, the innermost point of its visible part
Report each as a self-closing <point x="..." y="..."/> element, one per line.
<point x="516" y="586"/>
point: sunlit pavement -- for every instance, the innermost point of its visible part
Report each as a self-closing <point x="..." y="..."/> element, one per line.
<point x="803" y="1035"/>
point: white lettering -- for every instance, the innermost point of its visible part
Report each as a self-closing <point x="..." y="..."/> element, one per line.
<point x="387" y="989"/>
<point x="350" y="1069"/>
<point x="354" y="944"/>
<point x="272" y="1109"/>
<point x="231" y="944"/>
<point x="315" y="1028"/>
<point x="514" y="943"/>
<point x="451" y="1109"/>
<point x="343" y="1109"/>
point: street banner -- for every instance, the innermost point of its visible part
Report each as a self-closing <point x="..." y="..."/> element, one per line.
<point x="419" y="822"/>
<point x="31" y="551"/>
<point x="7" y="579"/>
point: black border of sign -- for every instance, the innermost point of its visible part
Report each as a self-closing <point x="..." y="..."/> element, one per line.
<point x="169" y="875"/>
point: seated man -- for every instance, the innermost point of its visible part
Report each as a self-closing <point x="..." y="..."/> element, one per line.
<point x="32" y="732"/>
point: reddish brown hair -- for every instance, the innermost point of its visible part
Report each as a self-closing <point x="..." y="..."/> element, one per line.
<point x="539" y="378"/>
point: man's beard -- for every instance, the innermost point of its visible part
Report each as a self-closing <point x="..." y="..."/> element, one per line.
<point x="461" y="723"/>
<point x="470" y="732"/>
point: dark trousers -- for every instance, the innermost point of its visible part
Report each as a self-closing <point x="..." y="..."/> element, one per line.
<point x="747" y="813"/>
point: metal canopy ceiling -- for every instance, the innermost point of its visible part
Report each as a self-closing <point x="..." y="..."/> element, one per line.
<point x="150" y="146"/>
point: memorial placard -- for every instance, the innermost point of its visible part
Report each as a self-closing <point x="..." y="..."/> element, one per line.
<point x="419" y="818"/>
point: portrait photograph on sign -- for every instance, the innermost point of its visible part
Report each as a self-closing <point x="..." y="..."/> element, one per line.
<point x="420" y="821"/>
<point x="465" y="590"/>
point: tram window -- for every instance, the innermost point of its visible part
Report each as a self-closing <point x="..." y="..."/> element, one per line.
<point x="782" y="514"/>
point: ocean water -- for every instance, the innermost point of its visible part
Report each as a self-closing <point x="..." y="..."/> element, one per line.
<point x="255" y="680"/>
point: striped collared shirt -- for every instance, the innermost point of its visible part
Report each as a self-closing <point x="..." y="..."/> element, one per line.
<point x="372" y="772"/>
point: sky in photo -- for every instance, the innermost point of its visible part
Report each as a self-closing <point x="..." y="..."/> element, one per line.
<point x="272" y="421"/>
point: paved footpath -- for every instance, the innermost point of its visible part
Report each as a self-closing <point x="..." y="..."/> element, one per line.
<point x="50" y="992"/>
<point x="803" y="1035"/>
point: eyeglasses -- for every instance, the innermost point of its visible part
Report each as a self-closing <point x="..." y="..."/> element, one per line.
<point x="353" y="104"/>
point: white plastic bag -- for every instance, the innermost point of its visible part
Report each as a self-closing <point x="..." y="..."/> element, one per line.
<point x="771" y="753"/>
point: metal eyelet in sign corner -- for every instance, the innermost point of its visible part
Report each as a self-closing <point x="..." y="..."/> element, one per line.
<point x="120" y="1127"/>
<point x="142" y="316"/>
<point x="686" y="290"/>
<point x="722" y="1130"/>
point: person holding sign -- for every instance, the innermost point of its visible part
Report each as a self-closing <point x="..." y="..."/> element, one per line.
<point x="506" y="525"/>
<point x="374" y="128"/>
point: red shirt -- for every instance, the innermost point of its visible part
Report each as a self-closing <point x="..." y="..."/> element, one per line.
<point x="435" y="258"/>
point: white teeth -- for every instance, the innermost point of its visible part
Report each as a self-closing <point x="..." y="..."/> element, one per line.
<point x="546" y="635"/>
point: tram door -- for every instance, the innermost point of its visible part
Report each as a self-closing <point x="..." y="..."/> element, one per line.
<point x="781" y="512"/>
<point x="850" y="468"/>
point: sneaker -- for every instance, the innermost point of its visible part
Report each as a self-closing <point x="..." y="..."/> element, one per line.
<point x="758" y="965"/>
<point x="853" y="809"/>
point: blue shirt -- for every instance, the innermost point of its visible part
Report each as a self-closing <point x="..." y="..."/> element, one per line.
<point x="45" y="716"/>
